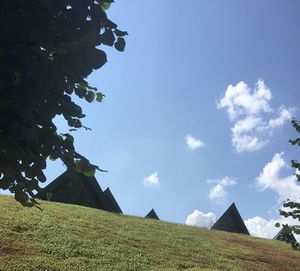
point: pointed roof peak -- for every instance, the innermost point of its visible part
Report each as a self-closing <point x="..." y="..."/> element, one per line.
<point x="285" y="234"/>
<point x="152" y="214"/>
<point x="72" y="181"/>
<point x="114" y="206"/>
<point x="107" y="189"/>
<point x="232" y="205"/>
<point x="231" y="221"/>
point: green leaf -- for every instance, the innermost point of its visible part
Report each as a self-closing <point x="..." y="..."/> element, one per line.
<point x="92" y="88"/>
<point x="90" y="96"/>
<point x="97" y="58"/>
<point x="99" y="97"/>
<point x="120" y="44"/>
<point x="74" y="123"/>
<point x="108" y="37"/>
<point x="69" y="138"/>
<point x="90" y="172"/>
<point x="120" y="33"/>
<point x="105" y="6"/>
<point x="80" y="91"/>
<point x="78" y="165"/>
<point x="53" y="157"/>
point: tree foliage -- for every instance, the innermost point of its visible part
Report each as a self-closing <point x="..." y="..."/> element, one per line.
<point x="47" y="49"/>
<point x="292" y="207"/>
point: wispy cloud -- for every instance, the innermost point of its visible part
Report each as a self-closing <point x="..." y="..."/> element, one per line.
<point x="200" y="219"/>
<point x="252" y="116"/>
<point x="193" y="143"/>
<point x="152" y="180"/>
<point x="271" y="179"/>
<point x="218" y="191"/>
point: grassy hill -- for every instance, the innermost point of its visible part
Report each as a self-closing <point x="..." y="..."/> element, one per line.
<point x="67" y="237"/>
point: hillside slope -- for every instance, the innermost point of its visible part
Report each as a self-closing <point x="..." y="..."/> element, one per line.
<point x="66" y="237"/>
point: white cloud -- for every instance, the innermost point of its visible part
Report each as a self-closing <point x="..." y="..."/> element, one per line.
<point x="197" y="218"/>
<point x="252" y="115"/>
<point x="285" y="187"/>
<point x="243" y="138"/>
<point x="240" y="99"/>
<point x="193" y="143"/>
<point x="270" y="179"/>
<point x="258" y="226"/>
<point x="218" y="191"/>
<point x="152" y="180"/>
<point x="283" y="116"/>
<point x="261" y="227"/>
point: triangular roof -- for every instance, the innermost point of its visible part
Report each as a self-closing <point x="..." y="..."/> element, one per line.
<point x="285" y="235"/>
<point x="152" y="215"/>
<point x="75" y="188"/>
<point x="114" y="206"/>
<point x="231" y="221"/>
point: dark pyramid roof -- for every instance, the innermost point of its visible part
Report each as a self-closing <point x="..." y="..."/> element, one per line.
<point x="231" y="221"/>
<point x="152" y="215"/>
<point x="285" y="235"/>
<point x="75" y="188"/>
<point x="114" y="206"/>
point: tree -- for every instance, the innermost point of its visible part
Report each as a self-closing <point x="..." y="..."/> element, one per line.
<point x="47" y="49"/>
<point x="293" y="208"/>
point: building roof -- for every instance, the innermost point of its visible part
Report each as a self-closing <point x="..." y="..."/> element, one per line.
<point x="285" y="235"/>
<point x="114" y="206"/>
<point x="152" y="215"/>
<point x="231" y="221"/>
<point x="76" y="188"/>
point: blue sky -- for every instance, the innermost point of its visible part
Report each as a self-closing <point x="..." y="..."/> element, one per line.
<point x="197" y="110"/>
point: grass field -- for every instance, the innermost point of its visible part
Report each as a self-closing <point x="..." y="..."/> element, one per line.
<point x="68" y="237"/>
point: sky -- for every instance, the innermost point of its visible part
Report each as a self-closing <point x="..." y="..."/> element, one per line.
<point x="197" y="110"/>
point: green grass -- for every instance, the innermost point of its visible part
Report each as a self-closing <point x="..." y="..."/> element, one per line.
<point x="67" y="237"/>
